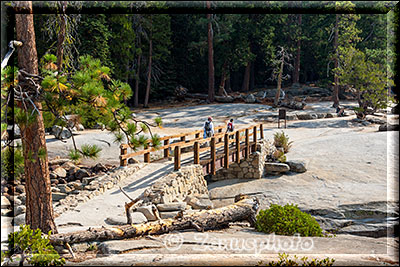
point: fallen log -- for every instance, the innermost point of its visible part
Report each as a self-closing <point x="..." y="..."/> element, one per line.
<point x="244" y="209"/>
<point x="197" y="96"/>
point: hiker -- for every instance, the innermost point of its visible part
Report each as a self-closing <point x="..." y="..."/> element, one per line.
<point x="208" y="128"/>
<point x="230" y="127"/>
<point x="340" y="111"/>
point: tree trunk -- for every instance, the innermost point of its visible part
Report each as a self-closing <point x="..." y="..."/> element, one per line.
<point x="278" y="89"/>
<point x="296" y="75"/>
<point x="246" y="79"/>
<point x="146" y="98"/>
<point x="223" y="78"/>
<point x="61" y="37"/>
<point x="136" y="100"/>
<point x="335" y="96"/>
<point x="211" y="92"/>
<point x="39" y="208"/>
<point x="252" y="80"/>
<point x="228" y="83"/>
<point x="244" y="209"/>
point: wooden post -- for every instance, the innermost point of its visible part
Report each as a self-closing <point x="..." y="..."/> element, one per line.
<point x="246" y="151"/>
<point x="220" y="139"/>
<point x="261" y="131"/>
<point x="123" y="162"/>
<point x="147" y="157"/>
<point x="226" y="151"/>
<point x="238" y="147"/>
<point x="177" y="158"/>
<point x="255" y="138"/>
<point x="196" y="151"/>
<point x="197" y="135"/>
<point x="213" y="156"/>
<point x="166" y="150"/>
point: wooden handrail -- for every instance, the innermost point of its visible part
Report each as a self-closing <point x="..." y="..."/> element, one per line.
<point x="219" y="141"/>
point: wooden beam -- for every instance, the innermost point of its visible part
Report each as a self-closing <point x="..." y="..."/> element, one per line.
<point x="226" y="151"/>
<point x="213" y="171"/>
<point x="177" y="158"/>
<point x="123" y="161"/>
<point x="247" y="150"/>
<point x="255" y="138"/>
<point x="261" y="131"/>
<point x="196" y="152"/>
<point x="166" y="150"/>
<point x="238" y="146"/>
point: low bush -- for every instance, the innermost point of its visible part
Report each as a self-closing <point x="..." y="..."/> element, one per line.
<point x="287" y="220"/>
<point x="282" y="140"/>
<point x="33" y="247"/>
<point x="284" y="260"/>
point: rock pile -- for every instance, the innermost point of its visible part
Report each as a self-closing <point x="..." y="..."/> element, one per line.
<point x="178" y="191"/>
<point x="70" y="185"/>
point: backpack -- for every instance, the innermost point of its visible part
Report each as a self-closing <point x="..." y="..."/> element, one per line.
<point x="208" y="126"/>
<point x="230" y="127"/>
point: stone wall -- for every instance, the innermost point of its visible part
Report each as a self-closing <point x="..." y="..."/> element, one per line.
<point x="177" y="185"/>
<point x="250" y="168"/>
<point x="93" y="186"/>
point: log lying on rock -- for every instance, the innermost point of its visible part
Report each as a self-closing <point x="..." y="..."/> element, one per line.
<point x="244" y="209"/>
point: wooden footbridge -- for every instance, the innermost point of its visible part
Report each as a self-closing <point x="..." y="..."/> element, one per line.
<point x="217" y="151"/>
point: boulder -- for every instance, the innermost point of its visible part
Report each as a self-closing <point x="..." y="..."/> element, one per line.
<point x="17" y="201"/>
<point x="68" y="165"/>
<point x="87" y="180"/>
<point x="99" y="167"/>
<point x="297" y="166"/>
<point x="388" y="127"/>
<point x="64" y="188"/>
<point x="276" y="167"/>
<point x="202" y="204"/>
<point x="148" y="211"/>
<point x="224" y="99"/>
<point x="307" y="116"/>
<point x="81" y="173"/>
<point x="17" y="131"/>
<point x="76" y="185"/>
<point x="137" y="217"/>
<point x="60" y="132"/>
<point x="19" y="210"/>
<point x="5" y="203"/>
<point x="132" y="161"/>
<point x="176" y="206"/>
<point x="20" y="219"/>
<point x="55" y="130"/>
<point x="250" y="99"/>
<point x="20" y="188"/>
<point x="7" y="213"/>
<point x="168" y="214"/>
<point x="60" y="172"/>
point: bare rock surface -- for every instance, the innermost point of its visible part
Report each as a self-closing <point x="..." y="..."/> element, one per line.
<point x="347" y="164"/>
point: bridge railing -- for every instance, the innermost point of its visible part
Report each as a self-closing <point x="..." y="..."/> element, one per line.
<point x="183" y="140"/>
<point x="216" y="160"/>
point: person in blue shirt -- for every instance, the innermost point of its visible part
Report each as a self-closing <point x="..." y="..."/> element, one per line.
<point x="208" y="128"/>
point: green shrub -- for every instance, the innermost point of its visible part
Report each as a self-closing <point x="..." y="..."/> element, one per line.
<point x="75" y="156"/>
<point x="287" y="220"/>
<point x="90" y="151"/>
<point x="33" y="247"/>
<point x="284" y="260"/>
<point x="10" y="165"/>
<point x="282" y="140"/>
